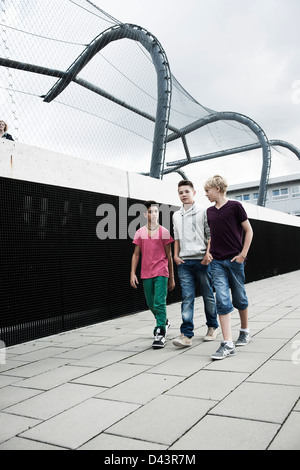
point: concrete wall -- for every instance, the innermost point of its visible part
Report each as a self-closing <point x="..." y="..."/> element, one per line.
<point x="28" y="163"/>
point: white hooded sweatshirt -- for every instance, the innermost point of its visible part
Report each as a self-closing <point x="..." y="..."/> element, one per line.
<point x="192" y="231"/>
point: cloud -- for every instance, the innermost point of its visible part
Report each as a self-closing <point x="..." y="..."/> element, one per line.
<point x="235" y="55"/>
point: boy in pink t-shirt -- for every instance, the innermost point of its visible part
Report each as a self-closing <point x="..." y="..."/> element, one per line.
<point x="153" y="242"/>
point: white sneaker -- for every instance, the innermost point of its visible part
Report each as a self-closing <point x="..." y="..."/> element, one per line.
<point x="183" y="342"/>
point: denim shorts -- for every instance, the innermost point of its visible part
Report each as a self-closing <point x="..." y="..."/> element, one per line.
<point x="229" y="276"/>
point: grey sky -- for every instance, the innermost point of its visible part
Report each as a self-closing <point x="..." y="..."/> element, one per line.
<point x="233" y="55"/>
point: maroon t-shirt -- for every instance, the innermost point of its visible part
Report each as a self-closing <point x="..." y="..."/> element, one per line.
<point x="226" y="230"/>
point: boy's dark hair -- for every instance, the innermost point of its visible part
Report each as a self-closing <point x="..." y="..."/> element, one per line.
<point x="185" y="183"/>
<point x="148" y="204"/>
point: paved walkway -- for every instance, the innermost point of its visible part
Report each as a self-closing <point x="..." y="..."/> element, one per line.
<point x="103" y="387"/>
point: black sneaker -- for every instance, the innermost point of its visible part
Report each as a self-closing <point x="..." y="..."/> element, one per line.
<point x="159" y="338"/>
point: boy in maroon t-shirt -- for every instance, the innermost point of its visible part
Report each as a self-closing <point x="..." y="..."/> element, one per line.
<point x="231" y="237"/>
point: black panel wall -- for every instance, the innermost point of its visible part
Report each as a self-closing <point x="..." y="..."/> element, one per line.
<point x="275" y="250"/>
<point x="56" y="274"/>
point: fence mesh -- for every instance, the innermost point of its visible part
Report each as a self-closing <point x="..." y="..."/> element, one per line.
<point x="79" y="122"/>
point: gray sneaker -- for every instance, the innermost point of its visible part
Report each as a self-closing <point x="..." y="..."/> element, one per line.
<point x="243" y="339"/>
<point x="223" y="352"/>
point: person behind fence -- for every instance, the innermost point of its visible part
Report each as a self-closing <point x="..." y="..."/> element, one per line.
<point x="231" y="238"/>
<point x="3" y="131"/>
<point x="191" y="233"/>
<point x="153" y="243"/>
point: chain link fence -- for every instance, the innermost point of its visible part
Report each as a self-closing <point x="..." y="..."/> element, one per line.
<point x="79" y="122"/>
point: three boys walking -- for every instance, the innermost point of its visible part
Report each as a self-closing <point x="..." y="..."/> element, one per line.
<point x="210" y="250"/>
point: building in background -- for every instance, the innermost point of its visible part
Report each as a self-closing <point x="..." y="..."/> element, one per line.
<point x="283" y="193"/>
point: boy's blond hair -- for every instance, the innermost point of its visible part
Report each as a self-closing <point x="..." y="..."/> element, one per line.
<point x="217" y="181"/>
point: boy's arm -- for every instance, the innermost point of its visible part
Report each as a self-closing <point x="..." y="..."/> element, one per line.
<point x="171" y="283"/>
<point x="134" y="262"/>
<point x="208" y="257"/>
<point x="177" y="260"/>
<point x="247" y="242"/>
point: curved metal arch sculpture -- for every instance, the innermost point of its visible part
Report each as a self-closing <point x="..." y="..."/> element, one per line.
<point x="233" y="116"/>
<point x="161" y="120"/>
<point x="232" y="151"/>
<point x="164" y="82"/>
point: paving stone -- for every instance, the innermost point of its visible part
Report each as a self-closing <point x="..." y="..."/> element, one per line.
<point x="277" y="331"/>
<point x="36" y="368"/>
<point x="12" y="425"/>
<point x="12" y="395"/>
<point x="109" y="442"/>
<point x="153" y="357"/>
<point x="288" y="436"/>
<point x="104" y="359"/>
<point x="17" y="443"/>
<point x="6" y="380"/>
<point x="183" y="365"/>
<point x="50" y="403"/>
<point x="111" y="375"/>
<point x="288" y="351"/>
<point x="30" y="346"/>
<point x="41" y="353"/>
<point x="142" y="388"/>
<point x="277" y="372"/>
<point x="264" y="345"/>
<point x="137" y="345"/>
<point x="163" y="420"/>
<point x="81" y="423"/>
<point x="221" y="433"/>
<point x="244" y="361"/>
<point x="297" y="407"/>
<point x="209" y="385"/>
<point x="261" y="402"/>
<point x="53" y="378"/>
<point x="11" y="364"/>
<point x="81" y="352"/>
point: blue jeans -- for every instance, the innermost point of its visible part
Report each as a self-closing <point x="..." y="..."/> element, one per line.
<point x="228" y="276"/>
<point x="191" y="273"/>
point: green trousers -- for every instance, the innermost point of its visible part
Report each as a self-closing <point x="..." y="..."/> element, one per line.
<point x="156" y="291"/>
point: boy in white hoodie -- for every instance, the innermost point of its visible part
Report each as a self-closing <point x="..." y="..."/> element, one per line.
<point x="192" y="234"/>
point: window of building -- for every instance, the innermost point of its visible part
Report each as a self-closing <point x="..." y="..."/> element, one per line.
<point x="280" y="193"/>
<point x="246" y="197"/>
<point x="239" y="198"/>
<point x="296" y="191"/>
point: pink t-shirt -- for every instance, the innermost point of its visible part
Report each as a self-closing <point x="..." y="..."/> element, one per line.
<point x="154" y="258"/>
